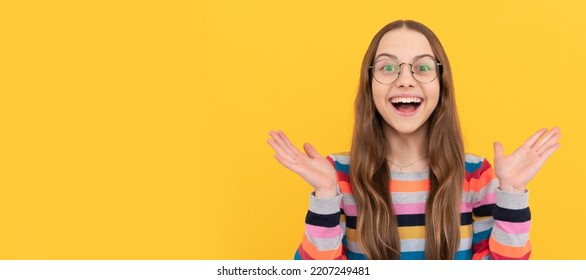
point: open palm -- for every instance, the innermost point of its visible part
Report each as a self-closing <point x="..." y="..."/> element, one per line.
<point x="514" y="171"/>
<point x="312" y="167"/>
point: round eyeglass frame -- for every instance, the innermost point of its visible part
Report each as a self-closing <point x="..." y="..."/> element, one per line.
<point x="372" y="69"/>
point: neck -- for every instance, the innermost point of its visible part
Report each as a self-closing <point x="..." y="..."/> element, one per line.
<point x="407" y="148"/>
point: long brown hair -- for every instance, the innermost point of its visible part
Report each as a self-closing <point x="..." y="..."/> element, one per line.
<point x="377" y="229"/>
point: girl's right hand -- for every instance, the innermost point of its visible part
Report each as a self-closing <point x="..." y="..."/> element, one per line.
<point x="313" y="168"/>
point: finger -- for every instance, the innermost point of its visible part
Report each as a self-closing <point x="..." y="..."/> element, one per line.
<point x="552" y="140"/>
<point x="499" y="151"/>
<point x="280" y="152"/>
<point x="287" y="145"/>
<point x="533" y="139"/>
<point x="311" y="151"/>
<point x="544" y="140"/>
<point x="276" y="142"/>
<point x="283" y="150"/>
<point x="284" y="162"/>
<point x="549" y="151"/>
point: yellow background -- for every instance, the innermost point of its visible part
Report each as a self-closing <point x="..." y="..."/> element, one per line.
<point x="137" y="129"/>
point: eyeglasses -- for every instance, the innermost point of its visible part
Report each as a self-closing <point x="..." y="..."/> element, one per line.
<point x="423" y="70"/>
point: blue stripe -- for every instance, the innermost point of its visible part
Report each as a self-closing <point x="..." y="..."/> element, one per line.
<point x="342" y="167"/>
<point x="460" y="255"/>
<point x="351" y="255"/>
<point x="297" y="256"/>
<point x="479" y="236"/>
<point x="472" y="166"/>
<point x="463" y="255"/>
<point x="418" y="255"/>
<point x="355" y="256"/>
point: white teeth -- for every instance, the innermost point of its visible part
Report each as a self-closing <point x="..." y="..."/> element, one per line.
<point x="406" y="100"/>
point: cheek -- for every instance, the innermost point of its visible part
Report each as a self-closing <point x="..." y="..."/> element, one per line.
<point x="379" y="96"/>
<point x="432" y="92"/>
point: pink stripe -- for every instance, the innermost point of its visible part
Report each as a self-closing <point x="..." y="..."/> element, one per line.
<point x="323" y="232"/>
<point x="409" y="208"/>
<point x="515" y="228"/>
<point x="489" y="198"/>
<point x="466" y="207"/>
<point x="350" y="210"/>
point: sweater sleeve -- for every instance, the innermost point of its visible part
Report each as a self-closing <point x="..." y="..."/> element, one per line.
<point x="510" y="236"/>
<point x="323" y="235"/>
<point x="501" y="220"/>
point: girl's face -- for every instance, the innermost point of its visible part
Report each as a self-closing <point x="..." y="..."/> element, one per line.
<point x="404" y="104"/>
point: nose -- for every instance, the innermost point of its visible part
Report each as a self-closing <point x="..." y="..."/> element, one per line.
<point x="405" y="78"/>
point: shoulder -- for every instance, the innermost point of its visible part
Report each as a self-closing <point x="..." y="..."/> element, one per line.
<point x="340" y="161"/>
<point x="476" y="165"/>
<point x="342" y="157"/>
<point x="479" y="171"/>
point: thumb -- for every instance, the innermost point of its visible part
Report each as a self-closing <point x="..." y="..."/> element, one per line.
<point x="499" y="151"/>
<point x="310" y="151"/>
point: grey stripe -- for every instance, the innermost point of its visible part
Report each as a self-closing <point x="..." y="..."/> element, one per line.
<point x="348" y="199"/>
<point x="353" y="246"/>
<point x="325" y="244"/>
<point x="465" y="244"/>
<point x="409" y="197"/>
<point x="410" y="176"/>
<point x="509" y="239"/>
<point x="486" y="224"/>
<point x="473" y="197"/>
<point x="324" y="206"/>
<point x="412" y="245"/>
<point x="513" y="201"/>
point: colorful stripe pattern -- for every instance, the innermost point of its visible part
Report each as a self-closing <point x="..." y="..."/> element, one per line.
<point x="494" y="224"/>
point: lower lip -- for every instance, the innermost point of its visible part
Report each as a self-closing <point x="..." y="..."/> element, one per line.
<point x="407" y="114"/>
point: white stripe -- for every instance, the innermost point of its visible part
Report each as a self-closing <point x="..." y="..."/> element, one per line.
<point x="471" y="158"/>
<point x="343" y="159"/>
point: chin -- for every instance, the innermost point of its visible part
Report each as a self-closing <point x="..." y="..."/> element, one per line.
<point x="408" y="129"/>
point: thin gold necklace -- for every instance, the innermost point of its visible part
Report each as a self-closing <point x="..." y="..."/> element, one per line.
<point x="405" y="166"/>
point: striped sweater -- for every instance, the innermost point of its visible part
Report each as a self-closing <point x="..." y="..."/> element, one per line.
<point x="494" y="224"/>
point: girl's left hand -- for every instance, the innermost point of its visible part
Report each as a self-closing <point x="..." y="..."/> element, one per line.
<point x="514" y="171"/>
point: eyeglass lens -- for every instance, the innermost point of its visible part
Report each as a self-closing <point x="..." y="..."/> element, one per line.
<point x="387" y="71"/>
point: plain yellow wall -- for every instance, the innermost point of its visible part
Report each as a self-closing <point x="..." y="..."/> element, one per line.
<point x="137" y="129"/>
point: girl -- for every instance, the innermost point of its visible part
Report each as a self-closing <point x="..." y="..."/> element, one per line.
<point x="407" y="190"/>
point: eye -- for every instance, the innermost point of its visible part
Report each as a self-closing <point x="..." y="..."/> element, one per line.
<point x="424" y="68"/>
<point x="389" y="68"/>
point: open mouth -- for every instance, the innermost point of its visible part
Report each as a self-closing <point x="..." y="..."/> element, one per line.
<point x="406" y="104"/>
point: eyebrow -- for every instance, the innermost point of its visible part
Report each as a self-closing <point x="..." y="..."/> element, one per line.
<point x="396" y="58"/>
